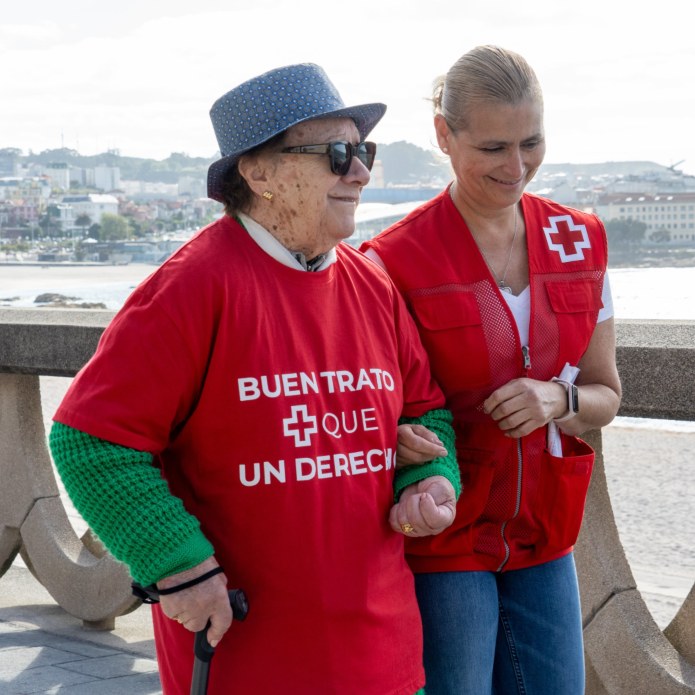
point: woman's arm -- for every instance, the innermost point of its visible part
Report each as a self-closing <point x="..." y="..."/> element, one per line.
<point x="598" y="382"/>
<point x="127" y="503"/>
<point x="523" y="405"/>
<point x="426" y="447"/>
<point x="428" y="479"/>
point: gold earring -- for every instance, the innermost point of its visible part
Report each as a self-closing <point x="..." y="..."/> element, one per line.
<point x="267" y="195"/>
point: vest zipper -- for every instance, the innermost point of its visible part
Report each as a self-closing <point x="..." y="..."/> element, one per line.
<point x="526" y="354"/>
<point x="519" y="471"/>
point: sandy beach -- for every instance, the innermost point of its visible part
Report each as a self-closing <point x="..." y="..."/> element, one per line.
<point x="651" y="480"/>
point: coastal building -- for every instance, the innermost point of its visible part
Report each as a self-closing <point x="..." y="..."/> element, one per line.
<point x="92" y="204"/>
<point x="149" y="190"/>
<point x="22" y="201"/>
<point x="105" y="178"/>
<point x="9" y="161"/>
<point x="58" y="174"/>
<point x="13" y="188"/>
<point x="671" y="212"/>
<point x="564" y="192"/>
<point x="65" y="216"/>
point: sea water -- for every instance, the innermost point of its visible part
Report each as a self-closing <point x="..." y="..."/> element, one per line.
<point x="20" y="285"/>
<point x="638" y="293"/>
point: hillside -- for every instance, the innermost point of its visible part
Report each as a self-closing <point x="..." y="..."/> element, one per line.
<point x="402" y="162"/>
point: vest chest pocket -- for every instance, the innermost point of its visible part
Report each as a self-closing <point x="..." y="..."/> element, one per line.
<point x="575" y="304"/>
<point x="452" y="332"/>
<point x="575" y="296"/>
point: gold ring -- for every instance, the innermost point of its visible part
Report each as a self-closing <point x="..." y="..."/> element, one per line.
<point x="407" y="527"/>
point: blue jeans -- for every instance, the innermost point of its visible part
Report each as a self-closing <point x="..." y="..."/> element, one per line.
<point x="508" y="633"/>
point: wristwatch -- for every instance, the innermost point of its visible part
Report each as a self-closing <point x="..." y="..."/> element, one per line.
<point x="572" y="399"/>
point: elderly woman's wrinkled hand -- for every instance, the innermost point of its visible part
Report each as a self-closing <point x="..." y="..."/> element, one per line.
<point x="417" y="444"/>
<point x="193" y="607"/>
<point x="425" y="508"/>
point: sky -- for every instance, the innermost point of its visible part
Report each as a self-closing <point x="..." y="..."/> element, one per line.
<point x="140" y="76"/>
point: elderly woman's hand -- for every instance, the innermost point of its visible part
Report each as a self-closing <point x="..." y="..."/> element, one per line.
<point x="417" y="444"/>
<point x="193" y="607"/>
<point x="425" y="508"/>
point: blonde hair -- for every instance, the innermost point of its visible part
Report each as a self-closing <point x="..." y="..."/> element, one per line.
<point x="484" y="74"/>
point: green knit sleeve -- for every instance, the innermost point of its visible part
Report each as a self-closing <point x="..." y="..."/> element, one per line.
<point x="128" y="505"/>
<point x="438" y="421"/>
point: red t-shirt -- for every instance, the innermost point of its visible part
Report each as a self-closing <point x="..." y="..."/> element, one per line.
<point x="270" y="398"/>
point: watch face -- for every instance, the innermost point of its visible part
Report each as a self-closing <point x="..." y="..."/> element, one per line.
<point x="574" y="395"/>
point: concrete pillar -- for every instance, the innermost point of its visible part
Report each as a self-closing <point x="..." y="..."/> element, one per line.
<point x="86" y="582"/>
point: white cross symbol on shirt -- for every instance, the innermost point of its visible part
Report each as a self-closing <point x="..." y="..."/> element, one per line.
<point x="302" y="435"/>
<point x="567" y="238"/>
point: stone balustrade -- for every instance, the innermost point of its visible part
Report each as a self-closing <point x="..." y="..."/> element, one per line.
<point x="626" y="651"/>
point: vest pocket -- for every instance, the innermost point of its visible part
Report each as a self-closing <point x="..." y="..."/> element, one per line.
<point x="451" y="330"/>
<point x="559" y="507"/>
<point x="477" y="470"/>
<point x="575" y="296"/>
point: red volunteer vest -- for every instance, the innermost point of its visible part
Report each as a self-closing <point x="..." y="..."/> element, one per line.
<point x="520" y="506"/>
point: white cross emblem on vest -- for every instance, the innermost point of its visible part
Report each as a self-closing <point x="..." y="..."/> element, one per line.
<point x="567" y="238"/>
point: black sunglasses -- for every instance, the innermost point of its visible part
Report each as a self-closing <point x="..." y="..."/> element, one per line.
<point x="340" y="154"/>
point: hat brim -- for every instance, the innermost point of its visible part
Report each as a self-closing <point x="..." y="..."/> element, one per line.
<point x="365" y="116"/>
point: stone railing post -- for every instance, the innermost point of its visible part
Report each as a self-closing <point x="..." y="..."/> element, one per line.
<point x="85" y="580"/>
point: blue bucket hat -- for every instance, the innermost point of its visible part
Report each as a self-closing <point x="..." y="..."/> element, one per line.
<point x="265" y="106"/>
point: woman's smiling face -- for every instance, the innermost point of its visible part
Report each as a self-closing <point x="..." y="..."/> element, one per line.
<point x="498" y="153"/>
<point x="312" y="209"/>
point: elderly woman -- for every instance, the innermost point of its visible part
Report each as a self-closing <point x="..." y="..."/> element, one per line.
<point x="509" y="292"/>
<point x="238" y="422"/>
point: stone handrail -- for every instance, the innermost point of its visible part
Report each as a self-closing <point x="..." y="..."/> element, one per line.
<point x="626" y="651"/>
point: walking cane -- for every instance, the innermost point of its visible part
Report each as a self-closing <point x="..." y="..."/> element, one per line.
<point x="204" y="652"/>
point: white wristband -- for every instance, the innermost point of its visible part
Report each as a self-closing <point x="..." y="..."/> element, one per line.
<point x="572" y="399"/>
